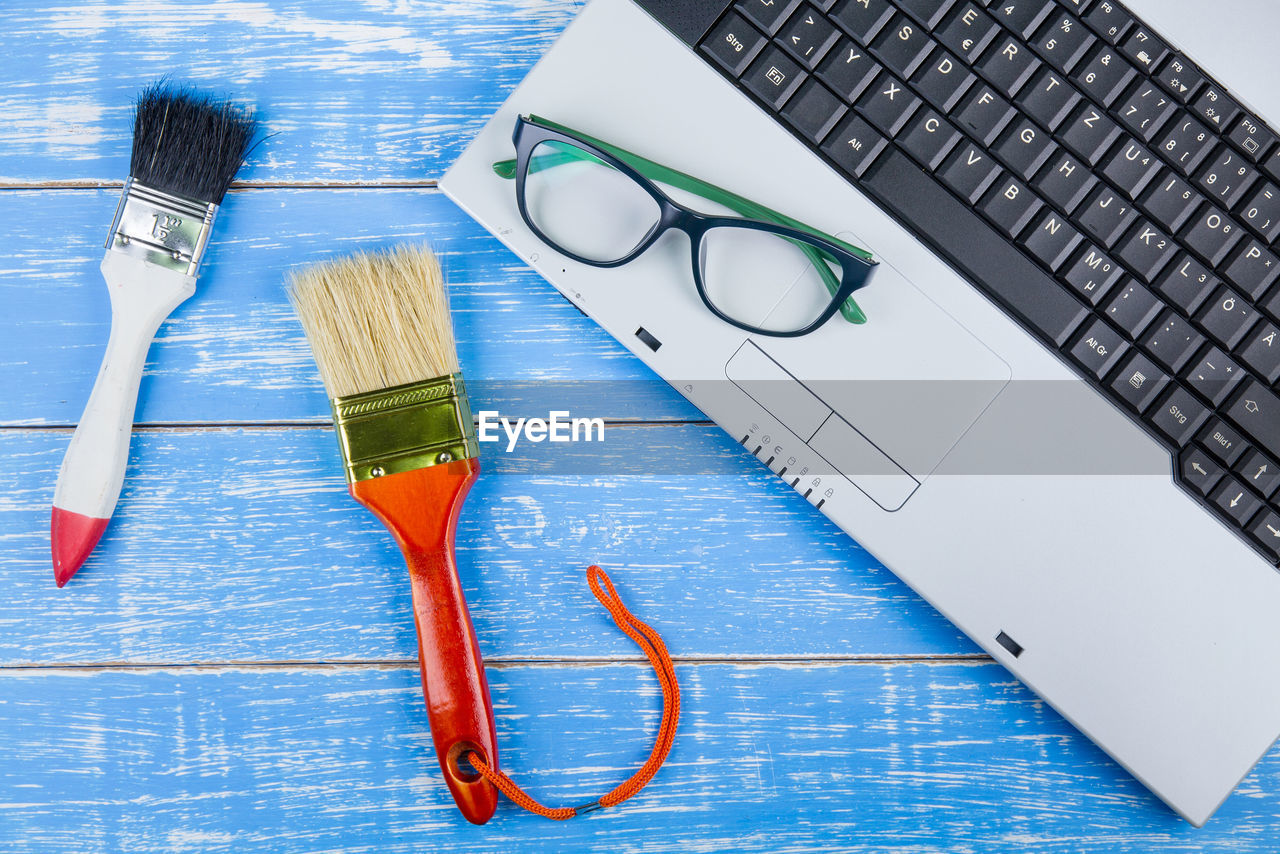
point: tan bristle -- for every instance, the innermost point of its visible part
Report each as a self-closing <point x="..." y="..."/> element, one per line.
<point x="376" y="319"/>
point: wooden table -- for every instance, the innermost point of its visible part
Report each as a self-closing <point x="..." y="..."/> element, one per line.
<point x="234" y="668"/>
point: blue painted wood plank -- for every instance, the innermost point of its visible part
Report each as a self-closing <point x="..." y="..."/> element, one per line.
<point x="243" y="545"/>
<point x="235" y="353"/>
<point x="352" y="91"/>
<point x="850" y="757"/>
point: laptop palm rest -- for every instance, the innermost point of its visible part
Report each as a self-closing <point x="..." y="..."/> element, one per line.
<point x="875" y="405"/>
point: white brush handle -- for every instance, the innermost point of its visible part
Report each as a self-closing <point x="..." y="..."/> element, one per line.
<point x="142" y="296"/>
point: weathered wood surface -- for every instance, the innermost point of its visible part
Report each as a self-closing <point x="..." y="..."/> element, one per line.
<point x="774" y="758"/>
<point x="233" y="669"/>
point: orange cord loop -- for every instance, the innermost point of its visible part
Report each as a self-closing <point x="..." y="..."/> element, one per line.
<point x="656" y="651"/>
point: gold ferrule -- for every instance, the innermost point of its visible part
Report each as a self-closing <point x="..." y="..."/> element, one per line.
<point x="405" y="428"/>
<point x="161" y="228"/>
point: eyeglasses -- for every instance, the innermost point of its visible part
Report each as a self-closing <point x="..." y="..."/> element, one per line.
<point x="598" y="204"/>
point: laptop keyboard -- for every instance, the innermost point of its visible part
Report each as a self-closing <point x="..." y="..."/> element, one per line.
<point x="1104" y="191"/>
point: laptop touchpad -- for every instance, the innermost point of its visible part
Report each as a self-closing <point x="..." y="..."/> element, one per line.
<point x="911" y="380"/>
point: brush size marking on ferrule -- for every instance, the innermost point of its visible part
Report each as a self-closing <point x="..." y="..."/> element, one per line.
<point x="405" y="428"/>
<point x="161" y="228"/>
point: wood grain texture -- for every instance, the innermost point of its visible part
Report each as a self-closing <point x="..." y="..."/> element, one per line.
<point x="773" y="758"/>
<point x="243" y="545"/>
<point x="352" y="91"/>
<point x="235" y="353"/>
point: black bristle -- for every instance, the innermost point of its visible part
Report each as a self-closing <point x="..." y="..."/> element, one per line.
<point x="187" y="143"/>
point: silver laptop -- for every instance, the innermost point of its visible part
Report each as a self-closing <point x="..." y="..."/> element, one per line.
<point x="1058" y="422"/>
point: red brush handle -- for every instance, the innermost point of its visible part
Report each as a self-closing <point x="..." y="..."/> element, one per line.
<point x="421" y="509"/>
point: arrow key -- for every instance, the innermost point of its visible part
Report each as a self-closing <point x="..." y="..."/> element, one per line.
<point x="1199" y="470"/>
<point x="1267" y="532"/>
<point x="1260" y="472"/>
<point x="1235" y="499"/>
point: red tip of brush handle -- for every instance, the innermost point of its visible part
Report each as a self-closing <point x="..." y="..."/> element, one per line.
<point x="421" y="509"/>
<point x="72" y="536"/>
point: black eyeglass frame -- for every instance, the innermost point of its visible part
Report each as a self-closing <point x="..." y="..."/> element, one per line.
<point x="855" y="272"/>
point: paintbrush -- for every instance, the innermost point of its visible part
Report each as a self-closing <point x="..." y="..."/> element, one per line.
<point x="379" y="329"/>
<point x="186" y="149"/>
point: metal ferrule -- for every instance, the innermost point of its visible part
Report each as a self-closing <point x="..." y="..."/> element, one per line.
<point x="161" y="228"/>
<point x="405" y="428"/>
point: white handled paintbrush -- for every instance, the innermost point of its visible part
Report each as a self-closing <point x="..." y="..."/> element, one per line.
<point x="186" y="149"/>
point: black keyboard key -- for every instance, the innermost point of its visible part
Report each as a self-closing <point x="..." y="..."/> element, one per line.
<point x="808" y="36"/>
<point x="943" y="80"/>
<point x="929" y="138"/>
<point x="1214" y="375"/>
<point x="862" y="19"/>
<point x="769" y="14"/>
<point x="1065" y="181"/>
<point x="1104" y="75"/>
<point x="1093" y="273"/>
<point x="1227" y="318"/>
<point x="1223" y="442"/>
<point x="1089" y="133"/>
<point x="967" y="31"/>
<point x="1266" y="531"/>
<point x="1010" y="205"/>
<point x="1185" y="143"/>
<point x="1109" y="21"/>
<point x="814" y="111"/>
<point x="1252" y="268"/>
<point x="1144" y="109"/>
<point x="1199" y="471"/>
<point x="1023" y="16"/>
<point x="1172" y="341"/>
<point x="1236" y="501"/>
<point x="1178" y="415"/>
<point x="1180" y="78"/>
<point x="997" y="266"/>
<point x="1133" y="307"/>
<point x="1132" y="167"/>
<point x="1024" y="148"/>
<point x="1106" y="216"/>
<point x="1170" y="201"/>
<point x="773" y="77"/>
<point x="1097" y="348"/>
<point x="927" y="12"/>
<point x="1186" y="283"/>
<point x="1146" y="251"/>
<point x="1271" y="164"/>
<point x="888" y="104"/>
<point x="1262" y="211"/>
<point x="733" y="44"/>
<point x="1261" y="352"/>
<point x="1227" y="176"/>
<point x="969" y="172"/>
<point x="1008" y="65"/>
<point x="1251" y="136"/>
<point x="1214" y="107"/>
<point x="983" y="113"/>
<point x="848" y="69"/>
<point x="1256" y="410"/>
<point x="1052" y="240"/>
<point x="1271" y="303"/>
<point x="855" y="145"/>
<point x="1145" y="49"/>
<point x="902" y="46"/>
<point x="1062" y="40"/>
<point x="1259" y="472"/>
<point x="1212" y="234"/>
<point x="1049" y="98"/>
<point x="1139" y="381"/>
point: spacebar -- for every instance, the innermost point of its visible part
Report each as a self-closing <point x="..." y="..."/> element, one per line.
<point x="976" y="248"/>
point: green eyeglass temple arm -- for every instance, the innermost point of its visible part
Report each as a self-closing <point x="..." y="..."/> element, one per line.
<point x="742" y="206"/>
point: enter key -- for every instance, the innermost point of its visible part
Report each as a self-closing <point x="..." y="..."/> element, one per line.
<point x="1256" y="410"/>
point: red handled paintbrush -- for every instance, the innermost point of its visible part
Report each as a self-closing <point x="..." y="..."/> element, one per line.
<point x="380" y="332"/>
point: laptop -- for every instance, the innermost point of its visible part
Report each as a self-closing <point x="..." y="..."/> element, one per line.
<point x="1060" y="422"/>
